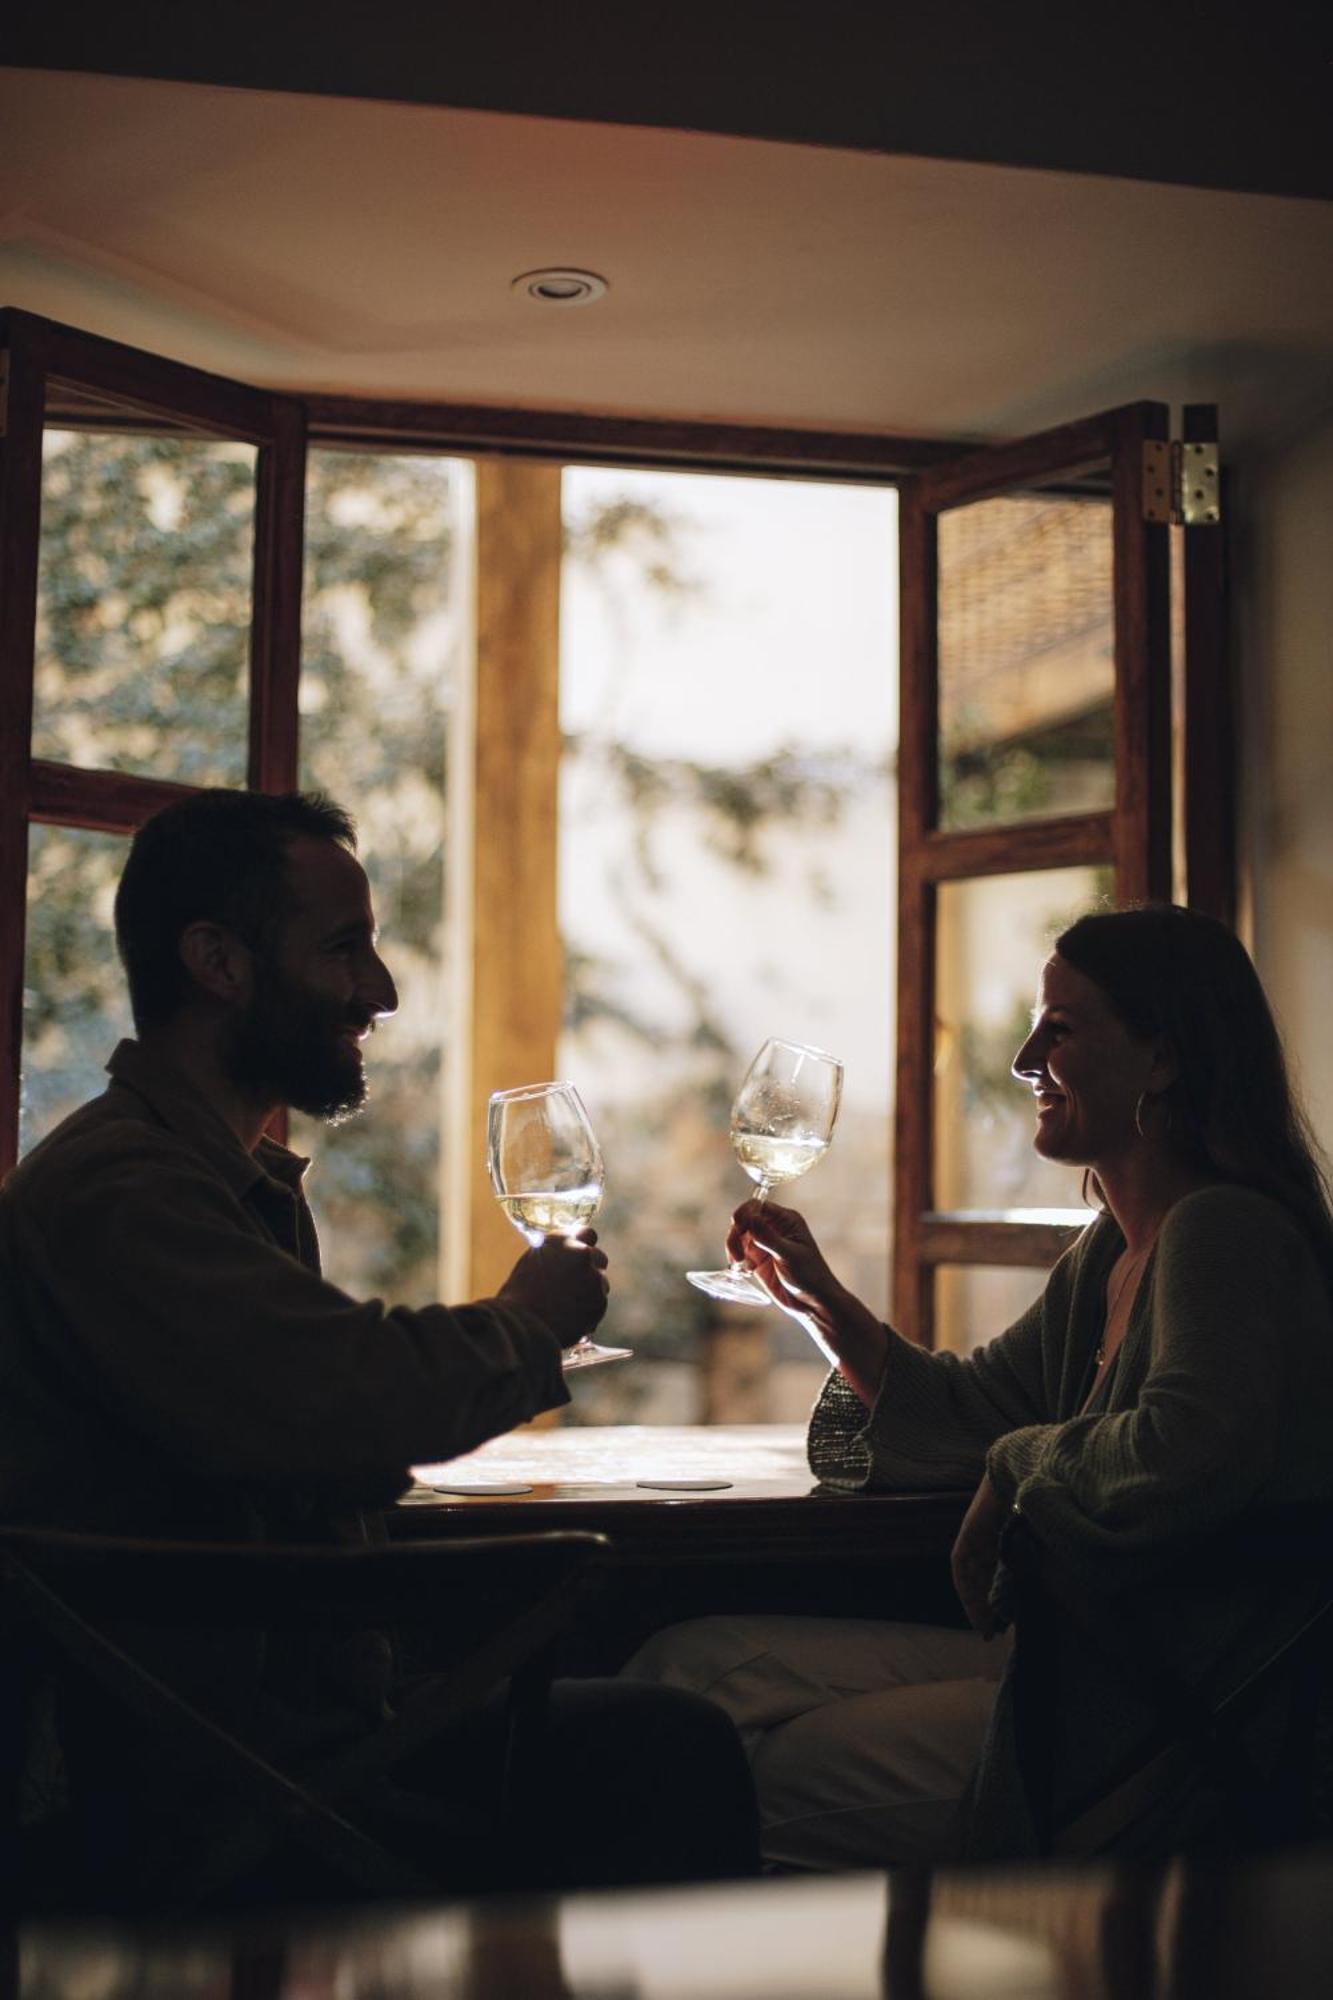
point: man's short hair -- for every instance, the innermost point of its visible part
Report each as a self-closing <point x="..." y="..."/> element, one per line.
<point x="218" y="856"/>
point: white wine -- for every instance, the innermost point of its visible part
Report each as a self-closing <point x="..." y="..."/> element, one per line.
<point x="553" y="1211"/>
<point x="769" y="1160"/>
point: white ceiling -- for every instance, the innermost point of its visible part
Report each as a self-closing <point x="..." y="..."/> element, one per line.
<point x="338" y="245"/>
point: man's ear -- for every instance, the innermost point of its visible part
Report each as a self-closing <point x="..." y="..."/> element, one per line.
<point x="217" y="961"/>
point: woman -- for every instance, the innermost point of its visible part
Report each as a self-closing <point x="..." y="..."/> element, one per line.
<point x="1176" y="1371"/>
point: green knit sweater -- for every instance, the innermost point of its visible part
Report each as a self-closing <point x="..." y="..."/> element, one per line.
<point x="1220" y="1400"/>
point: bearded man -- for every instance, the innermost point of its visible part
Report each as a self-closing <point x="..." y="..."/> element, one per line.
<point x="173" y="1363"/>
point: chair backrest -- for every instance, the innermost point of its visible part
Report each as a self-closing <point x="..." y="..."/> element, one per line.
<point x="1200" y="1732"/>
<point x="80" y="1595"/>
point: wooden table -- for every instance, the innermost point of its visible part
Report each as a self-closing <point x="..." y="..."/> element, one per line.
<point x="771" y="1510"/>
<point x="771" y="1540"/>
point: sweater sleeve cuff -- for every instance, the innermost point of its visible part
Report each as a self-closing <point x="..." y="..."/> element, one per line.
<point x="1013" y="1459"/>
<point x="836" y="1447"/>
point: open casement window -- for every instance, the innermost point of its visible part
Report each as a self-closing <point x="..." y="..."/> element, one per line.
<point x="1035" y="778"/>
<point x="112" y="704"/>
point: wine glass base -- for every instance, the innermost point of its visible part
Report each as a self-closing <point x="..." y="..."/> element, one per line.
<point x="587" y="1354"/>
<point x="738" y="1288"/>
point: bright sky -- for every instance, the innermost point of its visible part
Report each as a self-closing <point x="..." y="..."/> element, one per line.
<point x="791" y="640"/>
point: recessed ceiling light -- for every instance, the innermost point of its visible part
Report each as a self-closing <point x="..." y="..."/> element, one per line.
<point x="560" y="286"/>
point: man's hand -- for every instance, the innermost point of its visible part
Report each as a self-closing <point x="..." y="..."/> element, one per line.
<point x="976" y="1555"/>
<point x="564" y="1283"/>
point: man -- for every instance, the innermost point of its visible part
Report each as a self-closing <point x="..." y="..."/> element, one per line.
<point x="172" y="1362"/>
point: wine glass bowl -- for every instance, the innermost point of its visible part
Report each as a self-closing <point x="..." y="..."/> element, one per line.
<point x="782" y="1120"/>
<point x="544" y="1160"/>
<point x="546" y="1168"/>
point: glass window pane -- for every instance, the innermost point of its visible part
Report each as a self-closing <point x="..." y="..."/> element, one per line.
<point x="1026" y="659"/>
<point x="387" y="541"/>
<point x="993" y="937"/>
<point x="975" y="1302"/>
<point x="726" y="873"/>
<point x="75" y="1006"/>
<point x="143" y="606"/>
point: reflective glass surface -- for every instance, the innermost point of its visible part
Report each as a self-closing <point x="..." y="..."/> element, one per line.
<point x="1026" y="659"/>
<point x="144" y="595"/>
<point x="993" y="937"/>
<point x="384" y="638"/>
<point x="75" y="1007"/>
<point x="727" y="872"/>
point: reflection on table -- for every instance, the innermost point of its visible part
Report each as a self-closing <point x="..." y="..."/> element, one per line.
<point x="770" y="1509"/>
<point x="1257" y="1929"/>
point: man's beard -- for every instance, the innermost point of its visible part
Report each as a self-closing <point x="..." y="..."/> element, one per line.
<point x="285" y="1049"/>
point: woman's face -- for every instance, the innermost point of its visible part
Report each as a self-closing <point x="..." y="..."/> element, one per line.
<point x="1086" y="1070"/>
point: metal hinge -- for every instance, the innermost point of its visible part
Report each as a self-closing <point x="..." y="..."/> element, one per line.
<point x="1181" y="483"/>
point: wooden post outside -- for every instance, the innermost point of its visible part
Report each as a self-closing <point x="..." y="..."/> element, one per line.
<point x="517" y="973"/>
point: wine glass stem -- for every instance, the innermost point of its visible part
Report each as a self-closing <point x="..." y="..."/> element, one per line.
<point x="764" y="1189"/>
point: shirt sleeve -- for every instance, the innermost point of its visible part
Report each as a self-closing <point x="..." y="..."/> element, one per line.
<point x="1230" y="1285"/>
<point x="233" y="1357"/>
<point x="935" y="1413"/>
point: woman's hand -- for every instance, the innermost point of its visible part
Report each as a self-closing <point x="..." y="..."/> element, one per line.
<point x="777" y="1245"/>
<point x="976" y="1555"/>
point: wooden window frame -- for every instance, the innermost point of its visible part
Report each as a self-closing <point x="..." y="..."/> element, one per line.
<point x="56" y="374"/>
<point x="1134" y="838"/>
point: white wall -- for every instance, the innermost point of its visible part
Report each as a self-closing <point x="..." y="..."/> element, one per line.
<point x="1282" y="542"/>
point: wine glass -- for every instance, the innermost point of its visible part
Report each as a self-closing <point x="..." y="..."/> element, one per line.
<point x="546" y="1168"/>
<point x="781" y="1123"/>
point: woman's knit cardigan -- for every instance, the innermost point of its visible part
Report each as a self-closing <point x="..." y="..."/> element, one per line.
<point x="1220" y="1401"/>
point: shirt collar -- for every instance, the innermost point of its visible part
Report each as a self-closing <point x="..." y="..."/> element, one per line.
<point x="173" y="1099"/>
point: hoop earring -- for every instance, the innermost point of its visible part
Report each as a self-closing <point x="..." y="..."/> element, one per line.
<point x="1088" y="1202"/>
<point x="1162" y="1105"/>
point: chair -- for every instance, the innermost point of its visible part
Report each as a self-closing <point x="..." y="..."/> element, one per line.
<point x="64" y="1599"/>
<point x="1261" y="1803"/>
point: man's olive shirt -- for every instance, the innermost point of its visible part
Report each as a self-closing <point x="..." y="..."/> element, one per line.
<point x="173" y="1363"/>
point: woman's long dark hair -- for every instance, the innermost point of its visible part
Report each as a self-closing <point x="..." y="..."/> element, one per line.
<point x="1174" y="973"/>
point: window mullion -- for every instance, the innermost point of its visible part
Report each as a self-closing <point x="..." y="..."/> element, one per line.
<point x="20" y="517"/>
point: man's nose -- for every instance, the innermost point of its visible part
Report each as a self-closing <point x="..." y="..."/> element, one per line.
<point x="381" y="993"/>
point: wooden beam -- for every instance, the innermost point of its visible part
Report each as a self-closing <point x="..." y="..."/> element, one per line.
<point x="381" y="423"/>
<point x="275" y="626"/>
<point x="517" y="973"/>
<point x="98" y="801"/>
<point x="1209" y="776"/>
<point x="983" y="1238"/>
<point x="1074" y="840"/>
<point x="21" y="389"/>
<point x="918" y="805"/>
<point x="98" y="376"/>
<point x="1142" y="668"/>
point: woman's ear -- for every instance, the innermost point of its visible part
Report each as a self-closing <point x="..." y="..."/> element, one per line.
<point x="1165" y="1067"/>
<point x="217" y="961"/>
